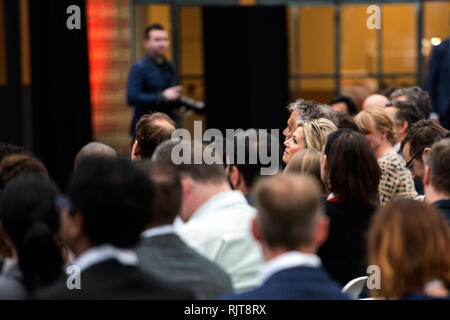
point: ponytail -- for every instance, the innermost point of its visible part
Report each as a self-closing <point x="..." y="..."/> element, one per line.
<point x="40" y="258"/>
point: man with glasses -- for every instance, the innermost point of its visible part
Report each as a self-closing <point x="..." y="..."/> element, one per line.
<point x="417" y="143"/>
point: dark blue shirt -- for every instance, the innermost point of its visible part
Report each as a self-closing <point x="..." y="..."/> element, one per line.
<point x="146" y="82"/>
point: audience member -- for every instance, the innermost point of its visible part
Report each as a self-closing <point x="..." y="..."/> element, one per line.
<point x="351" y="172"/>
<point x="30" y="222"/>
<point x="94" y="149"/>
<point x="309" y="134"/>
<point x="417" y="143"/>
<point x="436" y="177"/>
<point x="375" y="100"/>
<point x="404" y="115"/>
<point x="217" y="219"/>
<point x="306" y="161"/>
<point x="410" y="242"/>
<point x="110" y="203"/>
<point x="307" y="110"/>
<point x="343" y="104"/>
<point x="15" y="164"/>
<point x="396" y="180"/>
<point x="290" y="226"/>
<point x="151" y="130"/>
<point x="243" y="174"/>
<point x="415" y="96"/>
<point x="162" y="252"/>
<point x="346" y="121"/>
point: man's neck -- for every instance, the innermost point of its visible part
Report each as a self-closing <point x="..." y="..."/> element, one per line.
<point x="270" y="254"/>
<point x="431" y="195"/>
<point x="81" y="247"/>
<point x="204" y="192"/>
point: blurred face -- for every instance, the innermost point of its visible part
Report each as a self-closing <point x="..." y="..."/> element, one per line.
<point x="157" y="43"/>
<point x="415" y="166"/>
<point x="294" y="144"/>
<point x="340" y="107"/>
<point x="291" y="125"/>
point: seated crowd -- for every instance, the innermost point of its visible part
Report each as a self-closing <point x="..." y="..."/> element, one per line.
<point x="354" y="190"/>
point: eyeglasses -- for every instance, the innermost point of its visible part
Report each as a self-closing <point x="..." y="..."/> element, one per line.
<point x="408" y="165"/>
<point x="61" y="203"/>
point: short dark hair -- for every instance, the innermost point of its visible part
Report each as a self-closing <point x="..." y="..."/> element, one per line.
<point x="251" y="171"/>
<point x="352" y="172"/>
<point x="351" y="106"/>
<point x="345" y="121"/>
<point x="288" y="210"/>
<point x="114" y="198"/>
<point x="406" y="112"/>
<point x="417" y="97"/>
<point x="421" y="135"/>
<point x="151" y="130"/>
<point x="167" y="192"/>
<point x="439" y="162"/>
<point x="153" y="26"/>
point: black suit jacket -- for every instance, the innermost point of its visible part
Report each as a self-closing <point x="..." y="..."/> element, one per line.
<point x="344" y="253"/>
<point x="170" y="258"/>
<point x="113" y="280"/>
<point x="146" y="82"/>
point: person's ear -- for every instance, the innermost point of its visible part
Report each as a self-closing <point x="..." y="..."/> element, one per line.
<point x="322" y="230"/>
<point x="403" y="127"/>
<point x="426" y="176"/>
<point x="235" y="176"/>
<point x="425" y="153"/>
<point x="256" y="231"/>
<point x="135" y="151"/>
<point x="186" y="185"/>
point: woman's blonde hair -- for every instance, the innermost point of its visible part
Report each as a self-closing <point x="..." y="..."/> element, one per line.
<point x="410" y="242"/>
<point x="316" y="132"/>
<point x="306" y="161"/>
<point x="366" y="119"/>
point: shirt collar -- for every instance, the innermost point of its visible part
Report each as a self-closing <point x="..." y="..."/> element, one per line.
<point x="158" y="231"/>
<point x="105" y="252"/>
<point x="220" y="201"/>
<point x="288" y="260"/>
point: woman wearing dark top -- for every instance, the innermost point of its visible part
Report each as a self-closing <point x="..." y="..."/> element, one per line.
<point x="351" y="172"/>
<point x="30" y="222"/>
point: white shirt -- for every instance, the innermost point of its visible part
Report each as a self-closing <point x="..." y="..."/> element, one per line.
<point x="98" y="254"/>
<point x="397" y="147"/>
<point x="288" y="260"/>
<point x="221" y="230"/>
<point x="158" y="231"/>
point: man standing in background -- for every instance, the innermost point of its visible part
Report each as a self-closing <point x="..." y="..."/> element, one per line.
<point x="152" y="80"/>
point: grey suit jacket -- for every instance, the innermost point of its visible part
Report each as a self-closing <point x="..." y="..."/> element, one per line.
<point x="170" y="258"/>
<point x="11" y="284"/>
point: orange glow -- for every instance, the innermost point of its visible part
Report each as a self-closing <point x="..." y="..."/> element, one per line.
<point x="101" y="26"/>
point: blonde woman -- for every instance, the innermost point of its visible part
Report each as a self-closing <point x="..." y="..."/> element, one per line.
<point x="309" y="134"/>
<point x="396" y="180"/>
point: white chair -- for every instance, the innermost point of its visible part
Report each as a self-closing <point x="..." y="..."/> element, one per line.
<point x="354" y="287"/>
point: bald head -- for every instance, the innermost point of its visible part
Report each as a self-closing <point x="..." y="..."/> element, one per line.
<point x="375" y="100"/>
<point x="94" y="149"/>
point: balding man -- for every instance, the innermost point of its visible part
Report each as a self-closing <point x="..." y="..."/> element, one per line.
<point x="375" y="100"/>
<point x="94" y="149"/>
